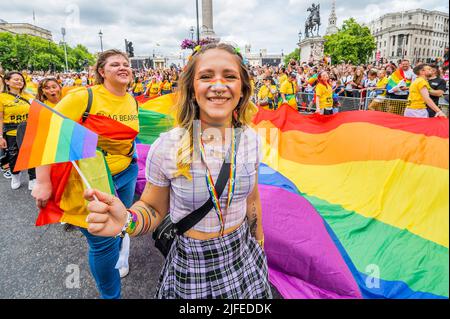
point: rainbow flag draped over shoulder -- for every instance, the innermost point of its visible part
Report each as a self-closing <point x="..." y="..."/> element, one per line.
<point x="355" y="204"/>
<point x="51" y="138"/>
<point x="397" y="78"/>
<point x="156" y="116"/>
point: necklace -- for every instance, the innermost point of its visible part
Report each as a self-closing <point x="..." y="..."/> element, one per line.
<point x="231" y="184"/>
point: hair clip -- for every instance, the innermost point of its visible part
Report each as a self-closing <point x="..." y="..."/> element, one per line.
<point x="237" y="50"/>
<point x="198" y="48"/>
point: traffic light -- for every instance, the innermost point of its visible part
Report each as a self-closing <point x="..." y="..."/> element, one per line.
<point x="130" y="49"/>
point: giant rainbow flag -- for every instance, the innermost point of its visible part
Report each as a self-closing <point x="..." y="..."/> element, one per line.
<point x="355" y="205"/>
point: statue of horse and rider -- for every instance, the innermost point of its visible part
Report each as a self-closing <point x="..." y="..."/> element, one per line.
<point x="313" y="21"/>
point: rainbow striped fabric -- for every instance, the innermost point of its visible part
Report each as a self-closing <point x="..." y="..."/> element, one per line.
<point x="51" y="138"/>
<point x="313" y="79"/>
<point x="355" y="204"/>
<point x="395" y="79"/>
<point x="155" y="116"/>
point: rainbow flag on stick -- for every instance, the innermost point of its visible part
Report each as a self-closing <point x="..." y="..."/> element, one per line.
<point x="312" y="80"/>
<point x="397" y="79"/>
<point x="51" y="138"/>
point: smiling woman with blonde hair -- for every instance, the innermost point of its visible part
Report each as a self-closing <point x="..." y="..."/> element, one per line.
<point x="207" y="167"/>
<point x="108" y="110"/>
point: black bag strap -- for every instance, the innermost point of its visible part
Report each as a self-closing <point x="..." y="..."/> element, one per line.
<point x="88" y="107"/>
<point x="193" y="218"/>
<point x="19" y="97"/>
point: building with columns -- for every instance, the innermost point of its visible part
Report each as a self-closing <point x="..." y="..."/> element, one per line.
<point x="25" y="28"/>
<point x="417" y="35"/>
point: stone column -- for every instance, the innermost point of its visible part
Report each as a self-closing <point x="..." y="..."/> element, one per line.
<point x="207" y="19"/>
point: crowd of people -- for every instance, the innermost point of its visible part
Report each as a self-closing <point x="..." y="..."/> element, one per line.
<point x="217" y="88"/>
<point x="322" y="87"/>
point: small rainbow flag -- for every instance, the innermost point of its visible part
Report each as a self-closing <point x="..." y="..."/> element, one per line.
<point x="50" y="138"/>
<point x="395" y="79"/>
<point x="313" y="79"/>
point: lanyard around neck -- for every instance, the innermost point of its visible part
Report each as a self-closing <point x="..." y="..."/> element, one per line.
<point x="210" y="182"/>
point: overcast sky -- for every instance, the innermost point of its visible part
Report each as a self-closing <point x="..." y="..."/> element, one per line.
<point x="161" y="25"/>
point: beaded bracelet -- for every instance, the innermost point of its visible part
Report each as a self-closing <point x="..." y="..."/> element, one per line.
<point x="130" y="225"/>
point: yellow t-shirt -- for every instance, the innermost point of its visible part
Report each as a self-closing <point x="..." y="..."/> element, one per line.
<point x="325" y="96"/>
<point x="166" y="86"/>
<point x="153" y="88"/>
<point x="283" y="78"/>
<point x="48" y="103"/>
<point x="415" y="99"/>
<point x="138" y="87"/>
<point x="265" y="92"/>
<point x="78" y="82"/>
<point x="288" y="87"/>
<point x="381" y="84"/>
<point x="119" y="108"/>
<point x="15" y="111"/>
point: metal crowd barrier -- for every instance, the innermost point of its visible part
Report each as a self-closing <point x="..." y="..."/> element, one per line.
<point x="362" y="100"/>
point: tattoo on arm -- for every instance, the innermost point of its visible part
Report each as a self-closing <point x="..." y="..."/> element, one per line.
<point x="253" y="221"/>
<point x="147" y="213"/>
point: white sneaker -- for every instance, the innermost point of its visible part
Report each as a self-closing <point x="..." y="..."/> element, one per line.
<point x="15" y="181"/>
<point x="31" y="184"/>
<point x="123" y="271"/>
<point x="7" y="174"/>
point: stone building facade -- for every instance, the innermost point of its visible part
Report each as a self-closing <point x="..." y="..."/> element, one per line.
<point x="417" y="35"/>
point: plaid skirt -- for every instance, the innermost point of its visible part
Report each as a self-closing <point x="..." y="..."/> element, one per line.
<point x="231" y="267"/>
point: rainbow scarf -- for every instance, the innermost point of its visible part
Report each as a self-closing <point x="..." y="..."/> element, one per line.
<point x="395" y="79"/>
<point x="52" y="138"/>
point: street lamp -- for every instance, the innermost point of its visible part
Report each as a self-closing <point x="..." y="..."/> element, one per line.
<point x="63" y="32"/>
<point x="100" y="34"/>
<point x="191" y="30"/>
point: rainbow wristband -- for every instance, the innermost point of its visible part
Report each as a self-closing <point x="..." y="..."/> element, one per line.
<point x="132" y="222"/>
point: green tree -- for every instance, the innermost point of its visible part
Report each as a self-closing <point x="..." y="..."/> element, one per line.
<point x="352" y="43"/>
<point x="293" y="55"/>
<point x="20" y="52"/>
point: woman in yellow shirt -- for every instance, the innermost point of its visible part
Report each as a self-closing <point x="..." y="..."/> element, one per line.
<point x="419" y="96"/>
<point x="14" y="109"/>
<point x="288" y="91"/>
<point x="324" y="95"/>
<point x="166" y="86"/>
<point x="153" y="88"/>
<point x="113" y="115"/>
<point x="266" y="94"/>
<point x="49" y="92"/>
<point x="138" y="87"/>
<point x="78" y="81"/>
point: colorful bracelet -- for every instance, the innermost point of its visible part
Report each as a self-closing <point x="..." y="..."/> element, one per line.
<point x="130" y="224"/>
<point x="132" y="220"/>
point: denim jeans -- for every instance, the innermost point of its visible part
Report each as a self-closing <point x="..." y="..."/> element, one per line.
<point x="104" y="251"/>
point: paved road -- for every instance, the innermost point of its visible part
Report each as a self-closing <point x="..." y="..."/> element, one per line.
<point x="37" y="262"/>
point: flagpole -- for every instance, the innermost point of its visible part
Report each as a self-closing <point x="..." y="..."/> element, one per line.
<point x="83" y="178"/>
